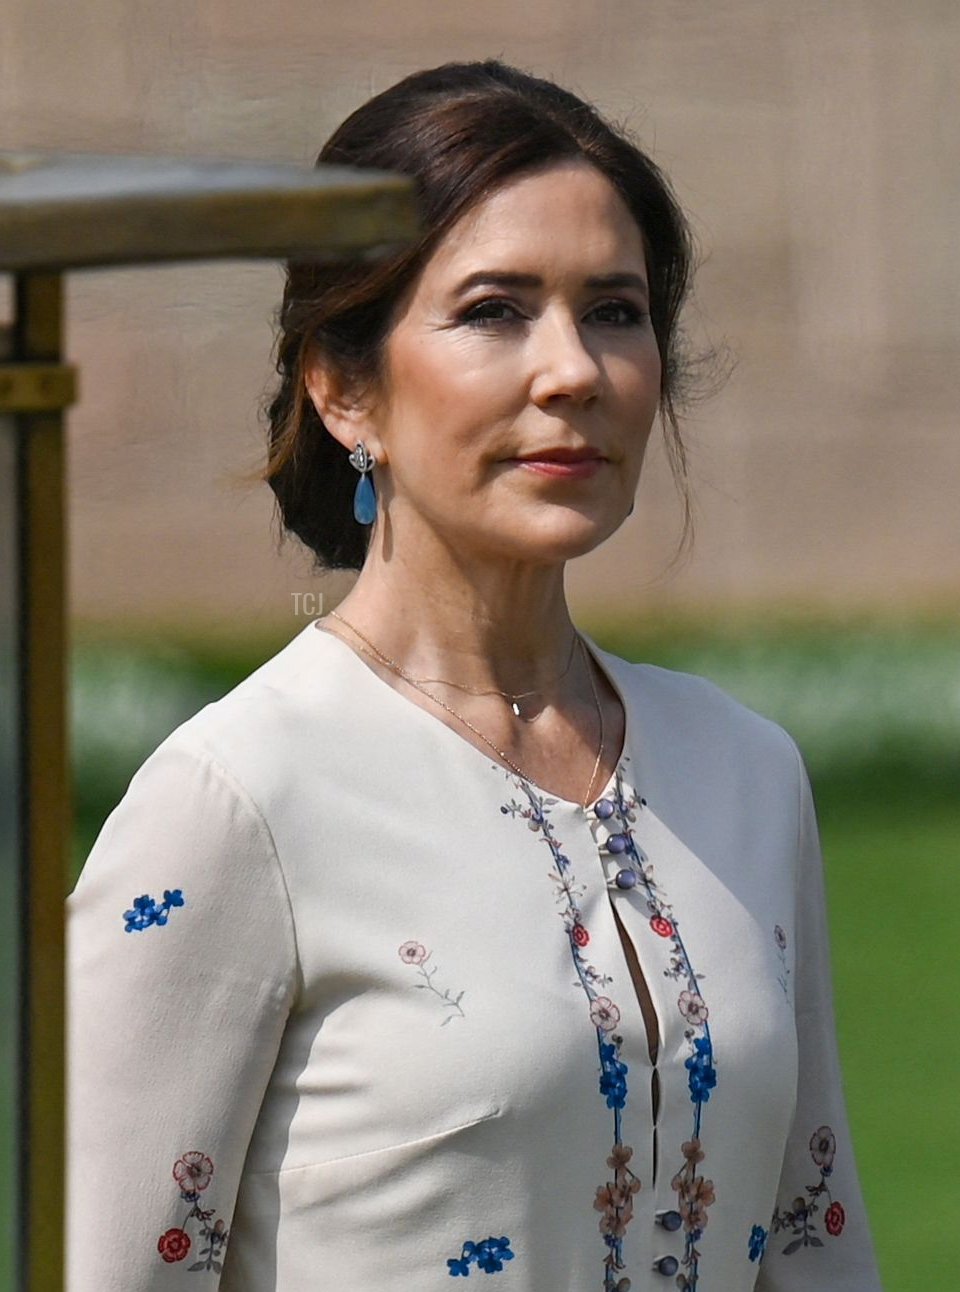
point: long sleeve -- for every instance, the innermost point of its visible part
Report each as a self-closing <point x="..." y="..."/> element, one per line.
<point x="182" y="968"/>
<point x="819" y="1238"/>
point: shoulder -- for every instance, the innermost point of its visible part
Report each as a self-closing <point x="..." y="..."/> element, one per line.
<point x="703" y="757"/>
<point x="726" y="780"/>
<point x="199" y="809"/>
<point x="691" y="709"/>
<point x="292" y="710"/>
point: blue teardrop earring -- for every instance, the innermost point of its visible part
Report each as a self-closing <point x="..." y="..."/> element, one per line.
<point x="364" y="498"/>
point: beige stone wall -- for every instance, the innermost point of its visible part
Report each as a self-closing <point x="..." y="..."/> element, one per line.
<point x="815" y="145"/>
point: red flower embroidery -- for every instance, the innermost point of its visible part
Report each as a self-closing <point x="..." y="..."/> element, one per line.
<point x="834" y="1219"/>
<point x="173" y="1245"/>
<point x="661" y="926"/>
<point x="580" y="935"/>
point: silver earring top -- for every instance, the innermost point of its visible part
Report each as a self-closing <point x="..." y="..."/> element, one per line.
<point x="361" y="458"/>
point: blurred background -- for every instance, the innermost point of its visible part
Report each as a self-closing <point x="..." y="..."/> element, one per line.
<point x="815" y="148"/>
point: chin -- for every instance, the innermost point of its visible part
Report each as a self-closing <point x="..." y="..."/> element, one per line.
<point x="555" y="540"/>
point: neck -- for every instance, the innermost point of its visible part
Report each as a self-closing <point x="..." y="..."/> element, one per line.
<point x="503" y="624"/>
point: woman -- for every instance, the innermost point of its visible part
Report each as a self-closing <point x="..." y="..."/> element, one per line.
<point x="461" y="947"/>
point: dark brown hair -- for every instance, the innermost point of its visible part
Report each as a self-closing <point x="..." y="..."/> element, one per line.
<point x="461" y="131"/>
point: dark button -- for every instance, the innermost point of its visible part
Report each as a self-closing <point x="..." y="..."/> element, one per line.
<point x="617" y="843"/>
<point x="625" y="879"/>
<point x="604" y="809"/>
<point x="671" y="1220"/>
<point x="666" y="1265"/>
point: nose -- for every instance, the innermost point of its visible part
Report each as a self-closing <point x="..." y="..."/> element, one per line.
<point x="563" y="367"/>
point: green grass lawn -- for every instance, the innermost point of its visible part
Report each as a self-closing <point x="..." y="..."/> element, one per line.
<point x="895" y="918"/>
<point x="875" y="707"/>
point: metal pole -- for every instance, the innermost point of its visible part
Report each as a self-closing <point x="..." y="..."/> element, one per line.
<point x="11" y="1223"/>
<point x="36" y="388"/>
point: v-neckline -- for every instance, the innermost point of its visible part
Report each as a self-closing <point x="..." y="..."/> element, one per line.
<point x="423" y="715"/>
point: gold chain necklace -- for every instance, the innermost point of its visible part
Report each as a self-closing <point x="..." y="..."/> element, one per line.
<point x="511" y="696"/>
<point x="462" y="686"/>
<point x="402" y="672"/>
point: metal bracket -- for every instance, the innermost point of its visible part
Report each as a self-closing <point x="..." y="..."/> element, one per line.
<point x="37" y="387"/>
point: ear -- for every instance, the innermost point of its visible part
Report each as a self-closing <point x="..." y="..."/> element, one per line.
<point x="346" y="415"/>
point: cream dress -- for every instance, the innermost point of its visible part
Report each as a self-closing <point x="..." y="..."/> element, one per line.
<point x="350" y="1010"/>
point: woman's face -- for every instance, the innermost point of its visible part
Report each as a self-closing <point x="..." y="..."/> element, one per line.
<point x="526" y="339"/>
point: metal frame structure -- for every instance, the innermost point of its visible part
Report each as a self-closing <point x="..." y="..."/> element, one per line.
<point x="59" y="213"/>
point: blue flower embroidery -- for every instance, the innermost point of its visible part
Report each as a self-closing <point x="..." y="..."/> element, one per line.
<point x="613" y="1072"/>
<point x="146" y="912"/>
<point x="758" y="1242"/>
<point x="703" y="1075"/>
<point x="488" y="1256"/>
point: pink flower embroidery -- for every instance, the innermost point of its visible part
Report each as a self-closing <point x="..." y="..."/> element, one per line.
<point x="604" y="1014"/>
<point x="693" y="1008"/>
<point x="691" y="1150"/>
<point x="661" y="926"/>
<point x="823" y="1146"/>
<point x="416" y="955"/>
<point x="580" y="935"/>
<point x="615" y="1198"/>
<point x="696" y="1194"/>
<point x="412" y="953"/>
<point x="193" y="1172"/>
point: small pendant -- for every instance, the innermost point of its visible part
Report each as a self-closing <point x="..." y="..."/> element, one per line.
<point x="533" y="710"/>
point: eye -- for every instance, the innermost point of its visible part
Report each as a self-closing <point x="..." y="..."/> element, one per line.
<point x="489" y="313"/>
<point x="630" y="314"/>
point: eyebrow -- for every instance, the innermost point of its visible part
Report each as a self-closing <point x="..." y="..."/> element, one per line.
<point x="491" y="278"/>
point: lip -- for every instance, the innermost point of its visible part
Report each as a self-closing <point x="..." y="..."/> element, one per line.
<point x="570" y="464"/>
<point x="579" y="469"/>
<point x="560" y="454"/>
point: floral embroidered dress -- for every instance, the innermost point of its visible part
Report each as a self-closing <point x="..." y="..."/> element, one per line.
<point x="350" y="1008"/>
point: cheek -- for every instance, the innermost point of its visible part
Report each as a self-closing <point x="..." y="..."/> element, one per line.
<point x="454" y="421"/>
<point x="451" y="377"/>
<point x="636" y="380"/>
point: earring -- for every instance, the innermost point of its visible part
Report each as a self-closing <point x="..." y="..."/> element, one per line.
<point x="364" y="498"/>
